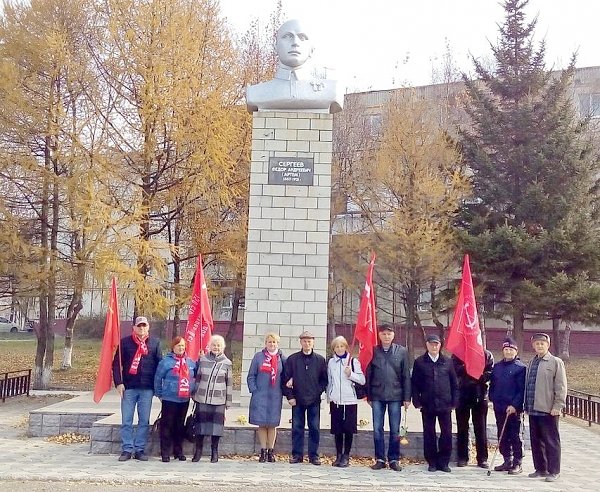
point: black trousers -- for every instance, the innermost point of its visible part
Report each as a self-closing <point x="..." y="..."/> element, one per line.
<point x="477" y="411"/>
<point x="172" y="422"/>
<point x="545" y="443"/>
<point x="511" y="446"/>
<point x="437" y="452"/>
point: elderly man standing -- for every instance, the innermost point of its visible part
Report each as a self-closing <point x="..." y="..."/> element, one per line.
<point x="306" y="378"/>
<point x="507" y="390"/>
<point x="134" y="368"/>
<point x="545" y="397"/>
<point x="435" y="392"/>
<point x="388" y="387"/>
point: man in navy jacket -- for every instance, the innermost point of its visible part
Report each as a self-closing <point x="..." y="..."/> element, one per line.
<point x="507" y="390"/>
<point x="134" y="368"/>
<point x="435" y="392"/>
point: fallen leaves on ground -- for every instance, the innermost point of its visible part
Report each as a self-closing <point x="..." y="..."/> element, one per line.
<point x="68" y="438"/>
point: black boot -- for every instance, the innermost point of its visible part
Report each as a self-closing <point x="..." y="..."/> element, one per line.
<point x="214" y="449"/>
<point x="263" y="456"/>
<point x="344" y="461"/>
<point x="270" y="456"/>
<point x="506" y="466"/>
<point x="338" y="457"/>
<point x="198" y="450"/>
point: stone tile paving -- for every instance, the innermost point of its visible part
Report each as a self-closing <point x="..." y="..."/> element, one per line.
<point x="36" y="459"/>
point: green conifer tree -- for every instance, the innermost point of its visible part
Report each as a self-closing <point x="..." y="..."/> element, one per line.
<point x="532" y="225"/>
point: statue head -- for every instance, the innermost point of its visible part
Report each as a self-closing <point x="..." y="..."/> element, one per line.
<point x="293" y="45"/>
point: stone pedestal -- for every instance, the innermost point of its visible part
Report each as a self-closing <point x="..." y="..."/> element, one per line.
<point x="288" y="231"/>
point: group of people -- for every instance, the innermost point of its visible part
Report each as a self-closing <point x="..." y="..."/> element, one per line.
<point x="437" y="385"/>
<point x="141" y="372"/>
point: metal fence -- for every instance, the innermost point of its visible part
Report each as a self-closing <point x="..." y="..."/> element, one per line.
<point x="14" y="383"/>
<point x="583" y="406"/>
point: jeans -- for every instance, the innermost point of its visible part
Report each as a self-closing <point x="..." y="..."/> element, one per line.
<point x="143" y="399"/>
<point x="313" y="414"/>
<point x="394" y="409"/>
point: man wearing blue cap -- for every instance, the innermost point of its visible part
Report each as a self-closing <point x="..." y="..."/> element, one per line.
<point x="545" y="397"/>
<point x="507" y="390"/>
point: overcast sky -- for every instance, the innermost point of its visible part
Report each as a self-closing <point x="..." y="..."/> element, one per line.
<point x="379" y="44"/>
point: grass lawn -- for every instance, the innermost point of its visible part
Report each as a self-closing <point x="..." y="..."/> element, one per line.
<point x="17" y="351"/>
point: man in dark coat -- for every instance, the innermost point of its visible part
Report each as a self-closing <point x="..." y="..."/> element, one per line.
<point x="507" y="390"/>
<point x="134" y="368"/>
<point x="388" y="387"/>
<point x="435" y="392"/>
<point x="306" y="378"/>
<point x="472" y="403"/>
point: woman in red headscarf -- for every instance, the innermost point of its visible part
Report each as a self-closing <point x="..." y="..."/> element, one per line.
<point x="172" y="384"/>
<point x="264" y="383"/>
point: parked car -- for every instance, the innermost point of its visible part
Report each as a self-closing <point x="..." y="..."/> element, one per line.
<point x="8" y="326"/>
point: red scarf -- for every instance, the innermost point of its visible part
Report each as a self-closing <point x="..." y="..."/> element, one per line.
<point x="142" y="350"/>
<point x="270" y="365"/>
<point x="182" y="370"/>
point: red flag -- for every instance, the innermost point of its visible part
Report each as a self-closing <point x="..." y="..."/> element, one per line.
<point x="464" y="336"/>
<point x="366" y="321"/>
<point x="110" y="342"/>
<point x="200" y="323"/>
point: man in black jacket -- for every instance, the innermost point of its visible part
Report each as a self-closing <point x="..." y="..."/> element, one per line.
<point x="306" y="379"/>
<point x="472" y="403"/>
<point x="435" y="392"/>
<point x="134" y="367"/>
<point x="388" y="387"/>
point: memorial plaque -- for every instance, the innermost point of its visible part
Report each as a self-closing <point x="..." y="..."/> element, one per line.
<point x="297" y="171"/>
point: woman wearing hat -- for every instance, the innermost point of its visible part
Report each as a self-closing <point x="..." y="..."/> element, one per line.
<point x="507" y="390"/>
<point x="264" y="380"/>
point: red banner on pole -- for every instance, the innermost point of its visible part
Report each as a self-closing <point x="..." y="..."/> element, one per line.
<point x="366" y="321"/>
<point x="110" y="342"/>
<point x="464" y="335"/>
<point x="200" y="323"/>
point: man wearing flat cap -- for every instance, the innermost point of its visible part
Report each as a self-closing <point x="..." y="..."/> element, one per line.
<point x="134" y="367"/>
<point x="435" y="392"/>
<point x="507" y="390"/>
<point x="306" y="379"/>
<point x="545" y="397"/>
<point x="388" y="388"/>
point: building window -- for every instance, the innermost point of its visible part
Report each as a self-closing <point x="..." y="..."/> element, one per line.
<point x="589" y="105"/>
<point x="374" y="125"/>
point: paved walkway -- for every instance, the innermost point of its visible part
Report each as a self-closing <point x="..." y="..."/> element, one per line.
<point x="34" y="459"/>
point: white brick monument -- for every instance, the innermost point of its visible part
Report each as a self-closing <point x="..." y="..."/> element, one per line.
<point x="290" y="194"/>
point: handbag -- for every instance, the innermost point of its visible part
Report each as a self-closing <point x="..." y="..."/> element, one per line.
<point x="156" y="425"/>
<point x="192" y="425"/>
<point x="359" y="389"/>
